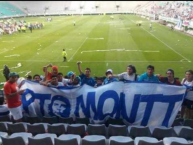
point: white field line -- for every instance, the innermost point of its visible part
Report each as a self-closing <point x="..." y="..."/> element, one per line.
<point x="132" y="61"/>
<point x="183" y="60"/>
<point x="16" y="66"/>
<point x="9" y="41"/>
<point x="4" y="51"/>
<point x="27" y="61"/>
<point x="64" y="66"/>
<point x="77" y="49"/>
<point x="124" y="28"/>
<point x="14" y="55"/>
<point x="168" y="46"/>
<point x="150" y="51"/>
<point x="96" y="38"/>
<point x="110" y="50"/>
<point x="28" y="73"/>
<point x="140" y="61"/>
<point x="21" y="72"/>
<point x="164" y="43"/>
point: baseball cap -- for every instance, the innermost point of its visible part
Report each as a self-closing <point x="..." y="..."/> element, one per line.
<point x="13" y="74"/>
<point x="70" y="73"/>
<point x="109" y="71"/>
<point x="78" y="78"/>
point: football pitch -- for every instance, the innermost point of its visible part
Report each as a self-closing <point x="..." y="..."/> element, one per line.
<point x="100" y="43"/>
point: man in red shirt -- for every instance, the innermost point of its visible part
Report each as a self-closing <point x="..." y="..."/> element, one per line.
<point x="48" y="75"/>
<point x="13" y="97"/>
<point x="170" y="80"/>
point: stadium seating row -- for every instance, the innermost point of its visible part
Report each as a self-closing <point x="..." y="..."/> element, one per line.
<point x="52" y="139"/>
<point x="96" y="129"/>
<point x="70" y="120"/>
<point x="181" y="121"/>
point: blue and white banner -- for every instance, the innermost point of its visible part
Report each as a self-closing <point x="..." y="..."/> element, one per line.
<point x="137" y="103"/>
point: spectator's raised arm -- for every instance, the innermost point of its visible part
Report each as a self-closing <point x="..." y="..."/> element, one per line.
<point x="45" y="69"/>
<point x="79" y="67"/>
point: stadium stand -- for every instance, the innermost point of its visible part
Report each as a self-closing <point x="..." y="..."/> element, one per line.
<point x="56" y="8"/>
<point x="170" y="13"/>
<point x="6" y="9"/>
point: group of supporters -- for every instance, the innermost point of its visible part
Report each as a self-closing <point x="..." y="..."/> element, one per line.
<point x="54" y="78"/>
<point x="11" y="26"/>
<point x="173" y="9"/>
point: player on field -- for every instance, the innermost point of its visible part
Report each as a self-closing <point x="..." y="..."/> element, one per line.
<point x="74" y="23"/>
<point x="30" y="27"/>
<point x="64" y="54"/>
<point x="150" y="26"/>
<point x="172" y="27"/>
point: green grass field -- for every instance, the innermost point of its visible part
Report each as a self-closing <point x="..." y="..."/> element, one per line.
<point x="100" y="43"/>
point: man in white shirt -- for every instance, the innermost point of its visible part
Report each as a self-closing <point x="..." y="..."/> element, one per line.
<point x="53" y="82"/>
<point x="62" y="79"/>
<point x="130" y="75"/>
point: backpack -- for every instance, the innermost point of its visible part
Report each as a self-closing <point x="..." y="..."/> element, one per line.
<point x="136" y="77"/>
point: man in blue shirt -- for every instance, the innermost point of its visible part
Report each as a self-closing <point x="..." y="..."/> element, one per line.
<point x="86" y="77"/>
<point x="109" y="77"/>
<point x="149" y="75"/>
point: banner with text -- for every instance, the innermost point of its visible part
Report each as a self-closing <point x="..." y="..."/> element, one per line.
<point x="137" y="103"/>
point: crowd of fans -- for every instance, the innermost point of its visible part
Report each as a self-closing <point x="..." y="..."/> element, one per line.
<point x="11" y="26"/>
<point x="54" y="78"/>
<point x="172" y="9"/>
